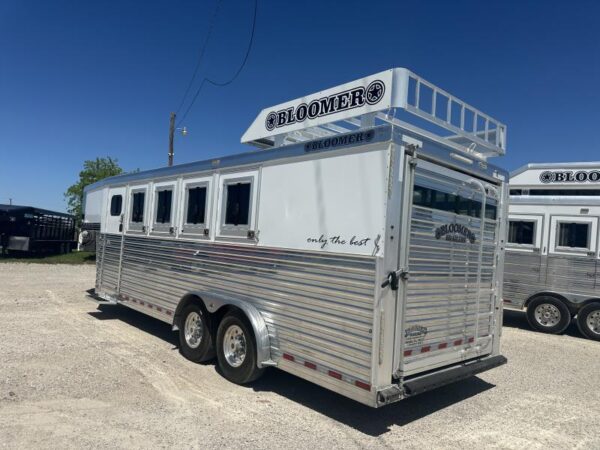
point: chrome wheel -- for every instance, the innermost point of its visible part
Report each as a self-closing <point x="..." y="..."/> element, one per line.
<point x="193" y="329"/>
<point x="547" y="315"/>
<point x="234" y="346"/>
<point x="593" y="321"/>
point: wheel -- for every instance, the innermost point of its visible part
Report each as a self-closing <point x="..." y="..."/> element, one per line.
<point x="195" y="340"/>
<point x="236" y="350"/>
<point x="588" y="321"/>
<point x="548" y="315"/>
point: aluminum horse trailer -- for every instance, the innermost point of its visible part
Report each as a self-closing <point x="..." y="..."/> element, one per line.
<point x="351" y="248"/>
<point x="552" y="260"/>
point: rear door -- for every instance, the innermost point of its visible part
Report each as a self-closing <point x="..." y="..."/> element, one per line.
<point x="448" y="300"/>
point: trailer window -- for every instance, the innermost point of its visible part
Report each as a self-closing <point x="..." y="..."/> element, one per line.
<point x="163" y="206"/>
<point x="521" y="232"/>
<point x="196" y="205"/>
<point x="573" y="235"/>
<point x="237" y="206"/>
<point x="137" y="207"/>
<point x="456" y="204"/>
<point x="116" y="204"/>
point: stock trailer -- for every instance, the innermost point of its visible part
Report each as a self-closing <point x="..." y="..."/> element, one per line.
<point x="358" y="246"/>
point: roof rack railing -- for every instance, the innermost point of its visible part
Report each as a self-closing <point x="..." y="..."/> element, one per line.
<point x="381" y="98"/>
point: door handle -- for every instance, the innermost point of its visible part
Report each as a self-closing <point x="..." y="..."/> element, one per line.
<point x="393" y="279"/>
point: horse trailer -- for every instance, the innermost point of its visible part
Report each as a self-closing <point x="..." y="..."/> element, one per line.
<point x="552" y="260"/>
<point x="25" y="229"/>
<point x="352" y="247"/>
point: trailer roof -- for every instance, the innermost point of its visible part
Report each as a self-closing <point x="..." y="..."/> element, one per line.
<point x="376" y="134"/>
<point x="32" y="209"/>
<point x="557" y="165"/>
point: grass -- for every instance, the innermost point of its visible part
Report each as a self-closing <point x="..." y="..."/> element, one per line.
<point x="67" y="258"/>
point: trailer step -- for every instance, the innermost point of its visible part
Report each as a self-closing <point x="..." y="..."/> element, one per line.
<point x="92" y="295"/>
<point x="438" y="379"/>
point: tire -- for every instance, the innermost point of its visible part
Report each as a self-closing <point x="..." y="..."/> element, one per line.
<point x="548" y="315"/>
<point x="236" y="350"/>
<point x="195" y="338"/>
<point x="588" y="321"/>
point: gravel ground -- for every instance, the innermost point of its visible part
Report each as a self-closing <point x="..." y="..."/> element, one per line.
<point x="73" y="376"/>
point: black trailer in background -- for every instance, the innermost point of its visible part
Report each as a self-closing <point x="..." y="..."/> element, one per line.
<point x="33" y="230"/>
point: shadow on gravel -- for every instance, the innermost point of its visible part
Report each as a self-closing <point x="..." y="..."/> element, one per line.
<point x="137" y="319"/>
<point x="370" y="421"/>
<point x="518" y="319"/>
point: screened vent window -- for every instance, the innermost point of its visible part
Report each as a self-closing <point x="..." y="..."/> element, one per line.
<point x="196" y="207"/>
<point x="137" y="207"/>
<point x="116" y="204"/>
<point x="237" y="208"/>
<point x="521" y="232"/>
<point x="456" y="204"/>
<point x="163" y="206"/>
<point x="573" y="235"/>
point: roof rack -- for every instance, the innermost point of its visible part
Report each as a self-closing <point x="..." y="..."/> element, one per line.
<point x="381" y="98"/>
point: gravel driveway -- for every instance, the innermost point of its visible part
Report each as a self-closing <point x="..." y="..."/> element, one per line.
<point x="73" y="375"/>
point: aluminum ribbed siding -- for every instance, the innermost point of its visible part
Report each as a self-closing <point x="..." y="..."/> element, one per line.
<point x="526" y="274"/>
<point x="317" y="306"/>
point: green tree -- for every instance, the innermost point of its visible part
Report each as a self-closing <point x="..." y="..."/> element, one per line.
<point x="93" y="170"/>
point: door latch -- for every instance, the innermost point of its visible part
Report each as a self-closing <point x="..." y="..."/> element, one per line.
<point x="394" y="277"/>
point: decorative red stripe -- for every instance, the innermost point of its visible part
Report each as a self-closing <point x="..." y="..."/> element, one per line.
<point x="288" y="357"/>
<point x="425" y="349"/>
<point x="471" y="339"/>
<point x="458" y="342"/>
<point x="310" y="365"/>
<point x="334" y="374"/>
<point x="169" y="313"/>
<point x="363" y="385"/>
<point x="443" y="345"/>
<point x="407" y="352"/>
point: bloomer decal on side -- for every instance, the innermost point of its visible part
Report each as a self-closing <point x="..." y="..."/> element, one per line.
<point x="339" y="141"/>
<point x="455" y="232"/>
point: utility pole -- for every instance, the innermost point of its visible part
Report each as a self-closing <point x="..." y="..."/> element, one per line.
<point x="171" y="136"/>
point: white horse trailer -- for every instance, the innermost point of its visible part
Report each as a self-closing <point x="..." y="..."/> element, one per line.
<point x="552" y="260"/>
<point x="352" y="248"/>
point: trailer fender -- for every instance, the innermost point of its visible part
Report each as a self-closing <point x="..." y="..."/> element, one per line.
<point x="213" y="302"/>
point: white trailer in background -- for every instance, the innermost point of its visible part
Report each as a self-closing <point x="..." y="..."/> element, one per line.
<point x="552" y="260"/>
<point x="353" y="249"/>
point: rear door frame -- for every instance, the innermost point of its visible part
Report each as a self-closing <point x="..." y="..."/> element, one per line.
<point x="404" y="243"/>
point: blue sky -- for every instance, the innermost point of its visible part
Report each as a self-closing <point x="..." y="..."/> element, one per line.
<point x="81" y="79"/>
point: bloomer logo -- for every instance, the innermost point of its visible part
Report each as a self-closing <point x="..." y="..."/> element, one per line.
<point x="568" y="176"/>
<point x="341" y="101"/>
<point x="455" y="232"/>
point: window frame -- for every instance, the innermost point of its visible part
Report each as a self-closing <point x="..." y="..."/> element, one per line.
<point x="538" y="232"/>
<point x="237" y="231"/>
<point x="199" y="230"/>
<point x="110" y="209"/>
<point x="137" y="226"/>
<point x="158" y="227"/>
<point x="534" y="232"/>
<point x="592" y="223"/>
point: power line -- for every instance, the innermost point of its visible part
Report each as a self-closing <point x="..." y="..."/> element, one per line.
<point x="202" y="51"/>
<point x="221" y="84"/>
